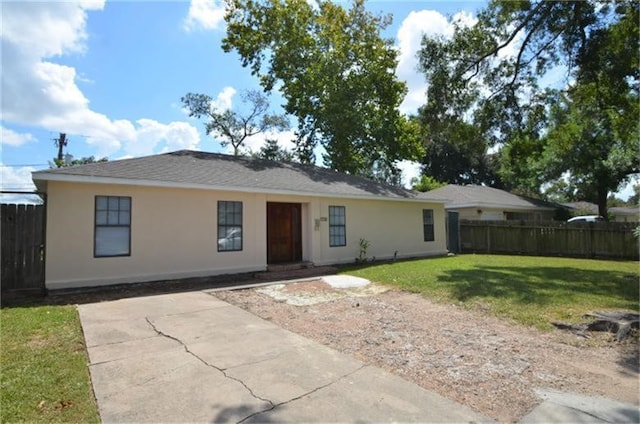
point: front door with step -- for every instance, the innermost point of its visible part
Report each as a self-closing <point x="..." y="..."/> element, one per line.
<point x="284" y="233"/>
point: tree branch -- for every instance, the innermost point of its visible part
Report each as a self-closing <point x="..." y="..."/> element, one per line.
<point x="512" y="36"/>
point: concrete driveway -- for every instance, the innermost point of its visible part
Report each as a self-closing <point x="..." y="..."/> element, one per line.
<point x="190" y="357"/>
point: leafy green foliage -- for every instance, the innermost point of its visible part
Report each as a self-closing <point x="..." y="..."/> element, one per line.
<point x="336" y="74"/>
<point x="234" y="127"/>
<point x="70" y="161"/>
<point x="517" y="288"/>
<point x="272" y="151"/>
<point x="364" y="247"/>
<point x="583" y="129"/>
<point x="43" y="374"/>
<point x="425" y="183"/>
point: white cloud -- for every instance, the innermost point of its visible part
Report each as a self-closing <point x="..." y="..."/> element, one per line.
<point x="17" y="179"/>
<point x="224" y="99"/>
<point x="59" y="28"/>
<point x="412" y="29"/>
<point x="255" y="142"/>
<point x="152" y="135"/>
<point x="204" y="15"/>
<point x="11" y="138"/>
<point x="41" y="93"/>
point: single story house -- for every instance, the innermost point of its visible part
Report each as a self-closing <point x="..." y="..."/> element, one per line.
<point x="187" y="214"/>
<point x="482" y="203"/>
<point x="624" y="214"/>
<point x="616" y="213"/>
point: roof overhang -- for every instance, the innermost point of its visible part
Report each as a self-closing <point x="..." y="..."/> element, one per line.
<point x="482" y="205"/>
<point x="41" y="178"/>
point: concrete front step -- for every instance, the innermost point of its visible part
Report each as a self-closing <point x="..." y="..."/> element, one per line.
<point x="289" y="266"/>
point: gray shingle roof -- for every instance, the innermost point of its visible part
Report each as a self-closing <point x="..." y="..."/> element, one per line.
<point x="475" y="195"/>
<point x="582" y="206"/>
<point x="186" y="168"/>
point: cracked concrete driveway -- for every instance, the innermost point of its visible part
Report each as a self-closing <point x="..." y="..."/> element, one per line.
<point x="190" y="357"/>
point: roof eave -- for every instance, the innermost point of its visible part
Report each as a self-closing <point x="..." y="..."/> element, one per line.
<point x="497" y="206"/>
<point x="40" y="178"/>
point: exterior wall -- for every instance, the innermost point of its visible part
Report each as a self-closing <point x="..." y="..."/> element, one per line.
<point x="625" y="218"/>
<point x="174" y="233"/>
<point x="485" y="215"/>
<point x="389" y="227"/>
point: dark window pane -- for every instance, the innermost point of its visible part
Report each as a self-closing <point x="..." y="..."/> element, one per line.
<point x="112" y="217"/>
<point x="113" y="226"/>
<point x="101" y="203"/>
<point x="124" y="218"/>
<point x="101" y="217"/>
<point x="229" y="226"/>
<point x="125" y="204"/>
<point x="337" y="226"/>
<point x="427" y="225"/>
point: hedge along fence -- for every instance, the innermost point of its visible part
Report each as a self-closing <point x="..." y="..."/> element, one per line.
<point x="550" y="238"/>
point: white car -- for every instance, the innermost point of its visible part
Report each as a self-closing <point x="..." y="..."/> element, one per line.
<point x="586" y="218"/>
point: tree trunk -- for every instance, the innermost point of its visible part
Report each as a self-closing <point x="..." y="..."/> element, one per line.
<point x="621" y="323"/>
<point x="602" y="202"/>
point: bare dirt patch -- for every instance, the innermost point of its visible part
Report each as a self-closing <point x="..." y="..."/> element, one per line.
<point x="475" y="359"/>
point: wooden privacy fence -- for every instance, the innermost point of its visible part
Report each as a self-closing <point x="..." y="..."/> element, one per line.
<point x="22" y="244"/>
<point x="550" y="238"/>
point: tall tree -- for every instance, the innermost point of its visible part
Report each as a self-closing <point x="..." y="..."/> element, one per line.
<point x="231" y="127"/>
<point x="488" y="76"/>
<point x="336" y="74"/>
<point x="425" y="183"/>
<point x="272" y="151"/>
<point x="68" y="160"/>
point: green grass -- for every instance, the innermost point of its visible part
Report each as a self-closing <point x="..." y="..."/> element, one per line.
<point x="533" y="291"/>
<point x="43" y="366"/>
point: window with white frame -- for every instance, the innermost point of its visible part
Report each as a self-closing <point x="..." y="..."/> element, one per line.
<point x="337" y="226"/>
<point x="112" y="234"/>
<point x="229" y="226"/>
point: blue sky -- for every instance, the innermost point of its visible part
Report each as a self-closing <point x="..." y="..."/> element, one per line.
<point x="110" y="75"/>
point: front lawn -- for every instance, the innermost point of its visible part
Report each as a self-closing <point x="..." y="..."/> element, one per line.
<point x="43" y="366"/>
<point x="527" y="290"/>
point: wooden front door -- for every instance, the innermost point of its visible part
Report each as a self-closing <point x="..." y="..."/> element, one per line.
<point x="284" y="234"/>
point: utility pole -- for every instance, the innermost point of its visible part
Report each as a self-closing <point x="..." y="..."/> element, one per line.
<point x="61" y="142"/>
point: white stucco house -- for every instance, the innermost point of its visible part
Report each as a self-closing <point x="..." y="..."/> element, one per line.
<point x="188" y="214"/>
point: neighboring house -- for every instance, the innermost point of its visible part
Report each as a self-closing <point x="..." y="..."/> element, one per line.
<point x="475" y="202"/>
<point x="187" y="214"/>
<point x="624" y="214"/>
<point x="581" y="208"/>
<point x="616" y="214"/>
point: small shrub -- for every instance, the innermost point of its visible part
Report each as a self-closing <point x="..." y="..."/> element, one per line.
<point x="364" y="246"/>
